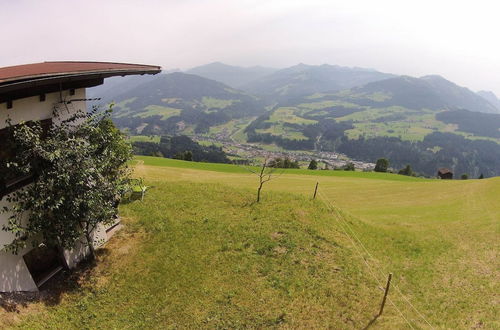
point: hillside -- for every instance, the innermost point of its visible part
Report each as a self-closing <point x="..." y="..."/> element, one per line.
<point x="197" y="253"/>
<point x="234" y="76"/>
<point x="181" y="103"/>
<point x="417" y="121"/>
<point x="429" y="92"/>
<point x="302" y="79"/>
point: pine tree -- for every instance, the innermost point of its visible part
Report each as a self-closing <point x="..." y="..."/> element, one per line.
<point x="313" y="165"/>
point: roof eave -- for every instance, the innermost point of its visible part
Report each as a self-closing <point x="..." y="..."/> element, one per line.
<point x="32" y="87"/>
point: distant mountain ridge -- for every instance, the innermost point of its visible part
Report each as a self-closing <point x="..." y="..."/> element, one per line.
<point x="303" y="79"/>
<point x="230" y="75"/>
<point x="430" y="92"/>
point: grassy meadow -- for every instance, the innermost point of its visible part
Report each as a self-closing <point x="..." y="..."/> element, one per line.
<point x="199" y="253"/>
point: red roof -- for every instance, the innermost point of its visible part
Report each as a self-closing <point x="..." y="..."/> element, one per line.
<point x="444" y="170"/>
<point x="52" y="69"/>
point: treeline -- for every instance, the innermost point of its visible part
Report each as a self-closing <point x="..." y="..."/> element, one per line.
<point x="181" y="147"/>
<point x="483" y="124"/>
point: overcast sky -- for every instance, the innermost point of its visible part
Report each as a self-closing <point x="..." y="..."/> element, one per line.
<point x="456" y="39"/>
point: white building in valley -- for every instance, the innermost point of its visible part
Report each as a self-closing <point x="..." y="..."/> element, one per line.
<point x="28" y="93"/>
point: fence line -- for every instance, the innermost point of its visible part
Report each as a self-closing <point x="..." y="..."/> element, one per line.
<point x="339" y="216"/>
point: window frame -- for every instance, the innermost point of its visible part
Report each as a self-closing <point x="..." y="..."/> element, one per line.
<point x="9" y="186"/>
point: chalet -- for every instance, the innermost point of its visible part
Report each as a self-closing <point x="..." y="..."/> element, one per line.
<point x="445" y="173"/>
<point x="28" y="93"/>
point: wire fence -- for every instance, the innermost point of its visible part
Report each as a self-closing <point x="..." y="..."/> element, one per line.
<point x="360" y="248"/>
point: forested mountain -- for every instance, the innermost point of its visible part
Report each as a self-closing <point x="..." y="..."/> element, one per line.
<point x="429" y="92"/>
<point x="178" y="102"/>
<point x="234" y="76"/>
<point x="302" y="79"/>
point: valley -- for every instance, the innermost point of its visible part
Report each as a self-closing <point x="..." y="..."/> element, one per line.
<point x="333" y="114"/>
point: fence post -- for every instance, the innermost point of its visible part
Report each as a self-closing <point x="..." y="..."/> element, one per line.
<point x="315" y="190"/>
<point x="387" y="286"/>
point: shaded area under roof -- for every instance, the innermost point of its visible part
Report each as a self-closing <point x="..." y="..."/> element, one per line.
<point x="32" y="79"/>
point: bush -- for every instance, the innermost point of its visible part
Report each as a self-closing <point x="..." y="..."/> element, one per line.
<point x="407" y="171"/>
<point x="283" y="163"/>
<point x="349" y="167"/>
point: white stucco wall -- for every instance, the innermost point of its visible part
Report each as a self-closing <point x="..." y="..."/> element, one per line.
<point x="31" y="108"/>
<point x="75" y="255"/>
<point x="14" y="275"/>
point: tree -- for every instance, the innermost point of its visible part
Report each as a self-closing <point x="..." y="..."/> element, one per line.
<point x="313" y="165"/>
<point x="382" y="165"/>
<point x="79" y="173"/>
<point x="481" y="176"/>
<point x="464" y="176"/>
<point x="265" y="173"/>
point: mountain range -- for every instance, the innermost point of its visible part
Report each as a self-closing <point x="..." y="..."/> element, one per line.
<point x="310" y="107"/>
<point x="302" y="79"/>
<point x="428" y="92"/>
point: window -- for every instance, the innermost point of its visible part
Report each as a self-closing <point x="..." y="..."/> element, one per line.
<point x="9" y="179"/>
<point x="43" y="262"/>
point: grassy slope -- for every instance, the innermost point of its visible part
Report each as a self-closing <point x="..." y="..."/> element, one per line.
<point x="236" y="265"/>
<point x="144" y="138"/>
<point x="210" y="259"/>
<point x="440" y="238"/>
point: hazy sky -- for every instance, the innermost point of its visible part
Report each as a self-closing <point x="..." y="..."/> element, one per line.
<point x="456" y="39"/>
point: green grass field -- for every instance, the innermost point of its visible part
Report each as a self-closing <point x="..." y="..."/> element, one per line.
<point x="164" y="112"/>
<point x="144" y="138"/>
<point x="167" y="162"/>
<point x="211" y="102"/>
<point x="198" y="253"/>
